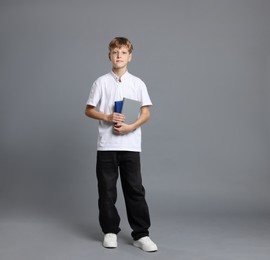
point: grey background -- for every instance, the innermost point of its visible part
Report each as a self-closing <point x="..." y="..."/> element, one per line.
<point x="206" y="64"/>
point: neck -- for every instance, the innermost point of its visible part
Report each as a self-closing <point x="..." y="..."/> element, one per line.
<point x="119" y="72"/>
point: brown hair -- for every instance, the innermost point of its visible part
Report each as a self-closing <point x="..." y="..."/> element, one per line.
<point x="119" y="42"/>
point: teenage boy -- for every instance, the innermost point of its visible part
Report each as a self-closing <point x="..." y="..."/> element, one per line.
<point x="119" y="147"/>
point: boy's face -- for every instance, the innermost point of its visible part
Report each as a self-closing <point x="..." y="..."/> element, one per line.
<point x="120" y="57"/>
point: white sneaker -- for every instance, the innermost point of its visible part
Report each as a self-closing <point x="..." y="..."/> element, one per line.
<point x="146" y="244"/>
<point x="110" y="240"/>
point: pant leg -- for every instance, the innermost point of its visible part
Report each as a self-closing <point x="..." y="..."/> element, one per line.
<point x="134" y="194"/>
<point x="107" y="175"/>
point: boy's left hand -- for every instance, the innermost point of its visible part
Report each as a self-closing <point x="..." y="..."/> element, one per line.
<point x="122" y="128"/>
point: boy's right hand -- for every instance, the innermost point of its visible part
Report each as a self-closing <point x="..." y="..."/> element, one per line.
<point x="116" y="117"/>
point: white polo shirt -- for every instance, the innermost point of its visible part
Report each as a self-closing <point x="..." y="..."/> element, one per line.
<point x="104" y="92"/>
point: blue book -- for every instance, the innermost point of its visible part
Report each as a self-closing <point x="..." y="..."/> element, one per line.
<point x="118" y="106"/>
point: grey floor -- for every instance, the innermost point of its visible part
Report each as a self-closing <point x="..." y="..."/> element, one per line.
<point x="186" y="237"/>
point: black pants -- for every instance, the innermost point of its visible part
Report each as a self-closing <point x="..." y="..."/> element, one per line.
<point x="109" y="164"/>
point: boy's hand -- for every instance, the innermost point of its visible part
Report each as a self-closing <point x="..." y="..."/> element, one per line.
<point x="116" y="117"/>
<point x="121" y="128"/>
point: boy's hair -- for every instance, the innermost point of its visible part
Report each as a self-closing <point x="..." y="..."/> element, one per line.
<point x="119" y="42"/>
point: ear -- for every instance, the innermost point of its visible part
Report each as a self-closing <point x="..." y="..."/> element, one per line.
<point x="109" y="55"/>
<point x="130" y="57"/>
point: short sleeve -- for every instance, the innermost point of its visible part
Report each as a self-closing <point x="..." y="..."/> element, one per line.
<point x="94" y="95"/>
<point x="146" y="101"/>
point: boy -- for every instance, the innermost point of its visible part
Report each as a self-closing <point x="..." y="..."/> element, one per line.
<point x="119" y="147"/>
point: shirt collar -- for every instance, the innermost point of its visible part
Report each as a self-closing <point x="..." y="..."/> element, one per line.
<point x="124" y="76"/>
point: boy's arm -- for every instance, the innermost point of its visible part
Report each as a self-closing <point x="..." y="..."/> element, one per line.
<point x="122" y="128"/>
<point x="91" y="111"/>
<point x="143" y="118"/>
